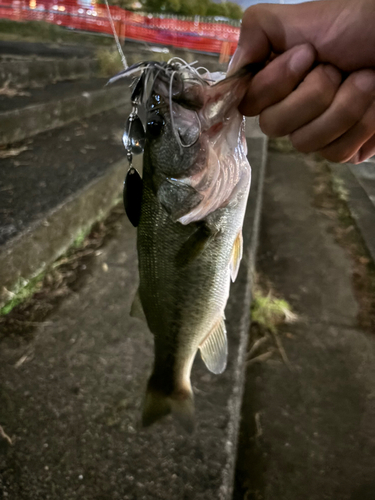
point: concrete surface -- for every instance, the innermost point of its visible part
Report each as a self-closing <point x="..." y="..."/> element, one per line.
<point x="47" y="192"/>
<point x="308" y="431"/>
<point x="358" y="182"/>
<point x="54" y="50"/>
<point x="72" y="407"/>
<point x="78" y="100"/>
<point x="33" y="72"/>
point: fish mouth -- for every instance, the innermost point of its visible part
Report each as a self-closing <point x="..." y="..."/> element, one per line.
<point x="180" y="88"/>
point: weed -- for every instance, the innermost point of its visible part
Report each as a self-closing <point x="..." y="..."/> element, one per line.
<point x="23" y="293"/>
<point x="269" y="311"/>
<point x="338" y="188"/>
<point x="109" y="62"/>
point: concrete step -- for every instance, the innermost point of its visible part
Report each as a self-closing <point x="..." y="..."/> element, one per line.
<point x="49" y="50"/>
<point x="91" y="369"/>
<point x="358" y="187"/>
<point x="307" y="425"/>
<point x="58" y="184"/>
<point x="32" y="72"/>
<point x="24" y="116"/>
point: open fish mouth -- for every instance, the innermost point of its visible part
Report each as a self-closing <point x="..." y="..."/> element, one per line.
<point x="197" y="112"/>
<point x="177" y="82"/>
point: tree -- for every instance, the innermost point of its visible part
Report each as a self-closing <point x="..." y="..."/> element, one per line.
<point x="193" y="8"/>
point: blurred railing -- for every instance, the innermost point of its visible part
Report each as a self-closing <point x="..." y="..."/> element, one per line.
<point x="194" y="34"/>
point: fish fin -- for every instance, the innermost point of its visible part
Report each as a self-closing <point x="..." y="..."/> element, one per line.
<point x="183" y="410"/>
<point x="214" y="349"/>
<point x="236" y="256"/>
<point x="178" y="198"/>
<point x="157" y="405"/>
<point x="136" y="309"/>
<point x="194" y="245"/>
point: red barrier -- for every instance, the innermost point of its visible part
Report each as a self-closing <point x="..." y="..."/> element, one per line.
<point x="173" y="31"/>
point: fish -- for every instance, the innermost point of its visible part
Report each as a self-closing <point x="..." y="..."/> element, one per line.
<point x="189" y="209"/>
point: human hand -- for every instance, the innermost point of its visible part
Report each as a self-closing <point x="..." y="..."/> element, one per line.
<point x="320" y="107"/>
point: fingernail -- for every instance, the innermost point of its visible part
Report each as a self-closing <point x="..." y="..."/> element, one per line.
<point x="365" y="81"/>
<point x="301" y="60"/>
<point x="333" y="74"/>
<point x="236" y="61"/>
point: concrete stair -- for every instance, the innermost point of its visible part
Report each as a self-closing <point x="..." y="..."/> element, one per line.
<point x="62" y="168"/>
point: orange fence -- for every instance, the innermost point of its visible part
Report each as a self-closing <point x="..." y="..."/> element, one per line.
<point x="194" y="34"/>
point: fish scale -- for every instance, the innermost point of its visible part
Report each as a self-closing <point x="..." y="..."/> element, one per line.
<point x="189" y="237"/>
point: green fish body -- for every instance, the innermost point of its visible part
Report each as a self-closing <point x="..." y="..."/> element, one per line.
<point x="189" y="240"/>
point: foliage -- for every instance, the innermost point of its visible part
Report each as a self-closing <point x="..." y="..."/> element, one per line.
<point x="40" y="31"/>
<point x="193" y="8"/>
<point x="109" y="62"/>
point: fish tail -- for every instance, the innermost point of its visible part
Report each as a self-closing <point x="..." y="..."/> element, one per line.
<point x="159" y="404"/>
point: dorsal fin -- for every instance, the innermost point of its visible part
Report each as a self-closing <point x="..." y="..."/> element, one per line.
<point x="214" y="349"/>
<point x="236" y="256"/>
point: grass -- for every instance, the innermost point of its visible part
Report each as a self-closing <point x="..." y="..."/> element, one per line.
<point x="40" y="31"/>
<point x="269" y="311"/>
<point x="268" y="314"/>
<point x="339" y="188"/>
<point x="23" y="293"/>
<point x="80" y="238"/>
<point x="109" y="62"/>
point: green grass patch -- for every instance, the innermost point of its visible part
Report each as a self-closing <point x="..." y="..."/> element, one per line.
<point x="23" y="293"/>
<point x="269" y="311"/>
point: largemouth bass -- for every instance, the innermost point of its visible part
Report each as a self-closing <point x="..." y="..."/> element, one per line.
<point x="189" y="209"/>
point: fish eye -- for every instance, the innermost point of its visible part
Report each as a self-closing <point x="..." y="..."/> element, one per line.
<point x="155" y="124"/>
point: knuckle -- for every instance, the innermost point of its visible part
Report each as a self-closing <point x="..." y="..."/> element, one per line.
<point x="323" y="89"/>
<point x="253" y="13"/>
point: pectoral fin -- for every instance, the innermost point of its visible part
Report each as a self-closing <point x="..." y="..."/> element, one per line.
<point x="236" y="256"/>
<point x="214" y="349"/>
<point x="194" y="245"/>
<point x="136" y="310"/>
